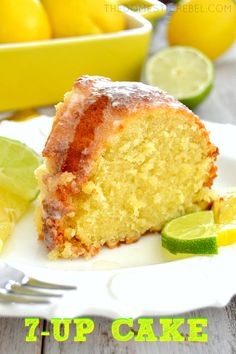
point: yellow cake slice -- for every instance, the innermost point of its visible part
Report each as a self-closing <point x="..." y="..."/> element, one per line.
<point x="122" y="159"/>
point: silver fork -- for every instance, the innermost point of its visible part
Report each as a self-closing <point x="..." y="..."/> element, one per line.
<point x="17" y="287"/>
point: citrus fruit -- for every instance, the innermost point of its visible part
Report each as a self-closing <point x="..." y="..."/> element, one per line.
<point x="12" y="207"/>
<point x="225" y="215"/>
<point x="193" y="233"/>
<point x="17" y="165"/>
<point x="107" y="15"/>
<point x="183" y="72"/>
<point x="225" y="209"/>
<point x="226" y="235"/>
<point x="208" y="25"/>
<point x="82" y="17"/>
<point x="23" y="21"/>
<point x="17" y="183"/>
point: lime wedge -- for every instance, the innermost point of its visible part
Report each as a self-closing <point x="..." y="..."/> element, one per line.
<point x="17" y="165"/>
<point x="193" y="233"/>
<point x="183" y="72"/>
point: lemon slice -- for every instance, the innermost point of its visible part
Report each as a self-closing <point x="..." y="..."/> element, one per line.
<point x="226" y="236"/>
<point x="184" y="72"/>
<point x="12" y="207"/>
<point x="225" y="215"/>
<point x="193" y="233"/>
<point x="225" y="209"/>
<point x="17" y="165"/>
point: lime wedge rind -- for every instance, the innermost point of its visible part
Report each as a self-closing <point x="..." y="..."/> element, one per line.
<point x="194" y="233"/>
<point x="193" y="102"/>
<point x="201" y="246"/>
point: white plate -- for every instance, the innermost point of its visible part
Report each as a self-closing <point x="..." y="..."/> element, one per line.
<point x="130" y="281"/>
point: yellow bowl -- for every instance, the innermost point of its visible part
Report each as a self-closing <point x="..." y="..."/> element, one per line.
<point x="39" y="73"/>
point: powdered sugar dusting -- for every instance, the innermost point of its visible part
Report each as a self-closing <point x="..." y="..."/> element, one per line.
<point x="125" y="94"/>
<point x="95" y="108"/>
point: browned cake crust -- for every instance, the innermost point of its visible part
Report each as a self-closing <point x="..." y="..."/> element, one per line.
<point x="95" y="109"/>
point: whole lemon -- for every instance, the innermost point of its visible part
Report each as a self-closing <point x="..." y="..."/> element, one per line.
<point x="23" y="21"/>
<point x="208" y="25"/>
<point x="71" y="18"/>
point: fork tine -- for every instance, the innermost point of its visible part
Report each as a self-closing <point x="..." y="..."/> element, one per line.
<point x="16" y="288"/>
<point x="19" y="299"/>
<point x="34" y="283"/>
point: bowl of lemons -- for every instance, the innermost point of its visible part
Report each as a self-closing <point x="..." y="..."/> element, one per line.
<point x="45" y="45"/>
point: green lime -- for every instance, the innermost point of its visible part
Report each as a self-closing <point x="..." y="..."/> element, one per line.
<point x="193" y="233"/>
<point x="183" y="72"/>
<point x="17" y="165"/>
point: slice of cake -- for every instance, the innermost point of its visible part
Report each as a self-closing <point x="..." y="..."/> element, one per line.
<point x="122" y="159"/>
